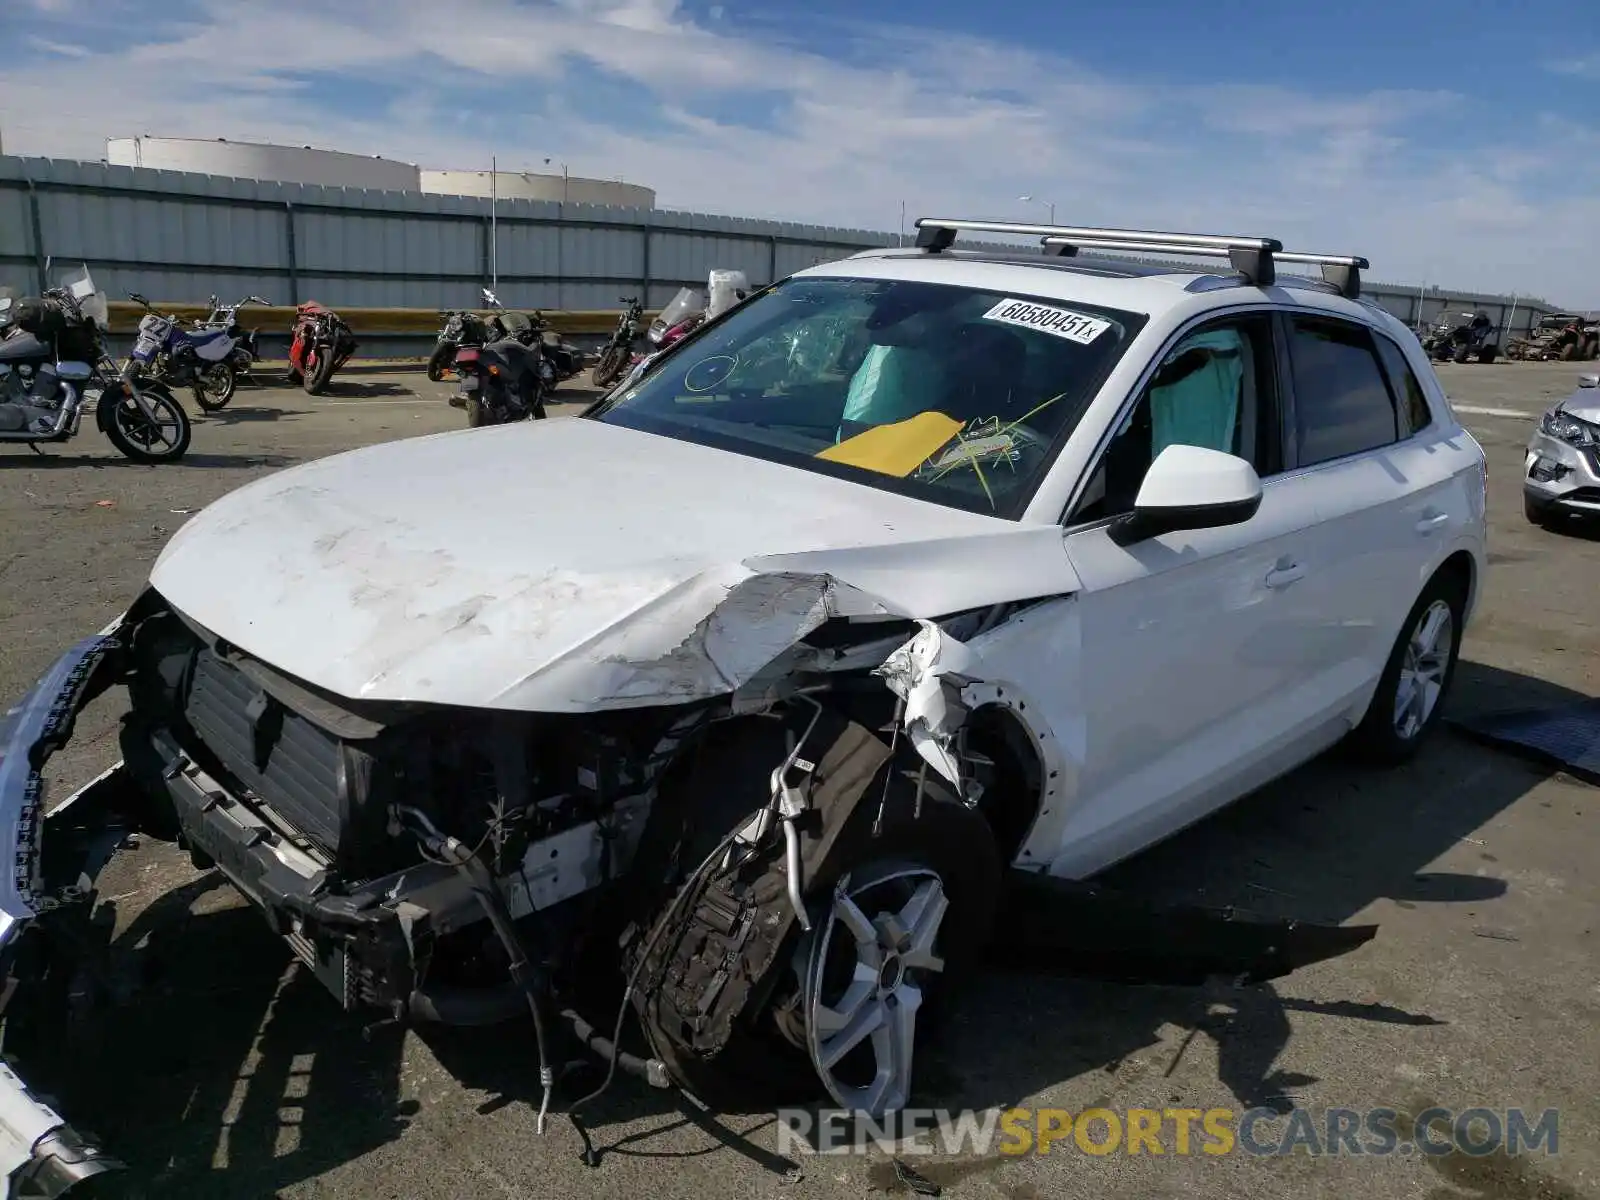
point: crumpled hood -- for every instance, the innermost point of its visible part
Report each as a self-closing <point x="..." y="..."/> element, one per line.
<point x="568" y="565"/>
<point x="1583" y="404"/>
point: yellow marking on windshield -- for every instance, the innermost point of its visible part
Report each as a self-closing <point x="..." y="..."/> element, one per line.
<point x="897" y="449"/>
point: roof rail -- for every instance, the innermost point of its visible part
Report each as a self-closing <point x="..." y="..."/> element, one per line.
<point x="1253" y="257"/>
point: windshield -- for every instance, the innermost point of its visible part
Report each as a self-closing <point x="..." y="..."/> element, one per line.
<point x="687" y="301"/>
<point x="947" y="393"/>
<point x="91" y="300"/>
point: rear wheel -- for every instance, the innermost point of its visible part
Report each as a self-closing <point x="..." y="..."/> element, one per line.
<point x="137" y="436"/>
<point x="1487" y="354"/>
<point x="215" y="387"/>
<point x="1417" y="677"/>
<point x="1591" y="349"/>
<point x="476" y="413"/>
<point x="1570" y="352"/>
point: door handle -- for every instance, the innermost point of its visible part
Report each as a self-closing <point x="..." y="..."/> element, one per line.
<point x="1431" y="520"/>
<point x="1284" y="574"/>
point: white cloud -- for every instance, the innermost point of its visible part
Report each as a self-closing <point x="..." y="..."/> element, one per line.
<point x="955" y="123"/>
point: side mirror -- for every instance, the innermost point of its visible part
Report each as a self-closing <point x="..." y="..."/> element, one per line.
<point x="1588" y="381"/>
<point x="1190" y="487"/>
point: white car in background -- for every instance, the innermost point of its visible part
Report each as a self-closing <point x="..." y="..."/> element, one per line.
<point x="1561" y="475"/>
<point x="911" y="569"/>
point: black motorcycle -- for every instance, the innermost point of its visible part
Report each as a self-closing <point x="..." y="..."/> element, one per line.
<point x="503" y="381"/>
<point x="461" y="328"/>
<point x="565" y="359"/>
<point x="617" y="353"/>
<point x="53" y="357"/>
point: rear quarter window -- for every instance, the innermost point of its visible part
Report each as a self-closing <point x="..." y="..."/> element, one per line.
<point x="1415" y="415"/>
<point x="1342" y="404"/>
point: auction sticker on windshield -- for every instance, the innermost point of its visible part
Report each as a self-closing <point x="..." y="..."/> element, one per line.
<point x="1046" y="318"/>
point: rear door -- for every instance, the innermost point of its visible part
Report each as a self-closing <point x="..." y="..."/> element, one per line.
<point x="1385" y="482"/>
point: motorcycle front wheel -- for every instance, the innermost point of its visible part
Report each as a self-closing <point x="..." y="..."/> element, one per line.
<point x="319" y="369"/>
<point x="136" y="436"/>
<point x="610" y="367"/>
<point x="215" y="387"/>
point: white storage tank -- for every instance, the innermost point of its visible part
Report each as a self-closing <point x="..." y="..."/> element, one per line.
<point x="261" y="160"/>
<point x="531" y="185"/>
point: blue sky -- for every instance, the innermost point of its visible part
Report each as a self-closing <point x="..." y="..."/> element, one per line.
<point x="1448" y="140"/>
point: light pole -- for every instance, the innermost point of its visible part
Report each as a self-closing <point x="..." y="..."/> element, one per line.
<point x="1050" y="204"/>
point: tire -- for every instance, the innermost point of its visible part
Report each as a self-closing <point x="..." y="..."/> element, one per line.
<point x="320" y="364"/>
<point x="1591" y="349"/>
<point x="1570" y="352"/>
<point x="1487" y="354"/>
<point x="762" y="1064"/>
<point x="215" y="400"/>
<point x="610" y="367"/>
<point x="477" y="415"/>
<point x="439" y="362"/>
<point x="128" y="429"/>
<point x="1461" y="355"/>
<point x="1383" y="738"/>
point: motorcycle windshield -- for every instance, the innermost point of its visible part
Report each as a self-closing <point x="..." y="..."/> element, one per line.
<point x="687" y="302"/>
<point x="91" y="300"/>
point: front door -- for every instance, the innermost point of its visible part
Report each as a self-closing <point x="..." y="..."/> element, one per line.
<point x="1191" y="641"/>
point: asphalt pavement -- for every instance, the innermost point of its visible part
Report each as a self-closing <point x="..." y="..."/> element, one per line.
<point x="224" y="1070"/>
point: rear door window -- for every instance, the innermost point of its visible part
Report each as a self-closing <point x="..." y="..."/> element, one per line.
<point x="1414" y="411"/>
<point x="1342" y="404"/>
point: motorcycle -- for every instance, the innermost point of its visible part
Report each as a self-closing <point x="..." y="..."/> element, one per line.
<point x="503" y="381"/>
<point x="200" y="360"/>
<point x="246" y="344"/>
<point x="565" y="359"/>
<point x="461" y="328"/>
<point x="53" y="355"/>
<point x="322" y="343"/>
<point x="618" y="352"/>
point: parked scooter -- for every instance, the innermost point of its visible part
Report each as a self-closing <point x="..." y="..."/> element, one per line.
<point x="199" y="359"/>
<point x="322" y="344"/>
<point x="53" y="356"/>
<point x="618" y="351"/>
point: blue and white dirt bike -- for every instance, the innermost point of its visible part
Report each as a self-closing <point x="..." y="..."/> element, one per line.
<point x="200" y="359"/>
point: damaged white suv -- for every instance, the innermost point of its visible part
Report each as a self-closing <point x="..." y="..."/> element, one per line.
<point x="756" y="683"/>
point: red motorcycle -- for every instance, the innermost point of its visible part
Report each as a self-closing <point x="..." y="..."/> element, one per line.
<point x="322" y="344"/>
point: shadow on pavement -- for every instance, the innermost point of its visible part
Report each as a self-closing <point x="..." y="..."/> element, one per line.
<point x="233" y="1073"/>
<point x="48" y="461"/>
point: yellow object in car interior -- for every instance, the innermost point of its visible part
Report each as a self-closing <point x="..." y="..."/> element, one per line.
<point x="898" y="449"/>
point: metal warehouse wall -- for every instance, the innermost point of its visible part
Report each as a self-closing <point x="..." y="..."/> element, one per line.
<point x="178" y="237"/>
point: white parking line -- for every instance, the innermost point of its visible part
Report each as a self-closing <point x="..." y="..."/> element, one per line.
<point x="1473" y="410"/>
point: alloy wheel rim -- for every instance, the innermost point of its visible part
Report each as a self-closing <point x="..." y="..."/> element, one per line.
<point x="1422" y="669"/>
<point x="865" y="965"/>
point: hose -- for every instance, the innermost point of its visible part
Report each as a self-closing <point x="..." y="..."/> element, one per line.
<point x="481" y="883"/>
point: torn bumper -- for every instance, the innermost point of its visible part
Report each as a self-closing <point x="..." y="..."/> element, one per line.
<point x="40" y="1154"/>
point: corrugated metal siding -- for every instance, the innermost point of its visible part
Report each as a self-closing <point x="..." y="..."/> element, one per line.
<point x="179" y="237"/>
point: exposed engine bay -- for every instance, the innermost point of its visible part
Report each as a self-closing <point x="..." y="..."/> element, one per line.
<point x="732" y="864"/>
